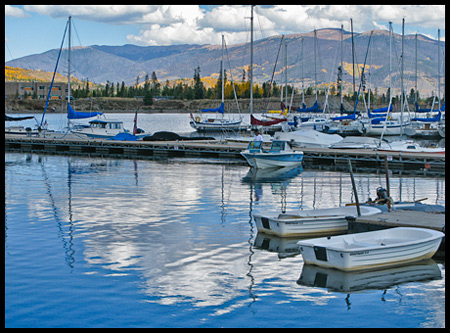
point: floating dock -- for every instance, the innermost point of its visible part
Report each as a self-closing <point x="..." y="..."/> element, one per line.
<point x="426" y="163"/>
<point x="401" y="218"/>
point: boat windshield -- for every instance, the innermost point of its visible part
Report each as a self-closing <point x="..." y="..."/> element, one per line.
<point x="254" y="146"/>
<point x="277" y="146"/>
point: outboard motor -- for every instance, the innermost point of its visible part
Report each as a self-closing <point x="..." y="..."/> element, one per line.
<point x="382" y="195"/>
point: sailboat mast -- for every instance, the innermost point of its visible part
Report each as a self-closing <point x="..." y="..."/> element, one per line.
<point x="415" y="86"/>
<point x="353" y="62"/>
<point x="439" y="68"/>
<point x="223" y="76"/>
<point x="402" y="93"/>
<point x="390" y="63"/>
<point x="315" y="61"/>
<point x="223" y="70"/>
<point x="251" y="60"/>
<point x="303" y="81"/>
<point x="342" y="64"/>
<point x="285" y="72"/>
<point x="68" y="60"/>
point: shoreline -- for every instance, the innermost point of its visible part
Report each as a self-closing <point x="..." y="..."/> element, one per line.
<point x="127" y="105"/>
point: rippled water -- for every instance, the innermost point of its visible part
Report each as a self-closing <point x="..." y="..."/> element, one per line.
<point x="92" y="242"/>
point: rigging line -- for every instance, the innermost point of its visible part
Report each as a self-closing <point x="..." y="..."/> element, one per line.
<point x="231" y="73"/>
<point x="6" y="43"/>
<point x="84" y="53"/>
<point x="273" y="73"/>
<point x="329" y="82"/>
<point x="54" y="73"/>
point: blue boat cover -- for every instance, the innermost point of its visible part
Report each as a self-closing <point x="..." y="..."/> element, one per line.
<point x="72" y="114"/>
<point x="314" y="108"/>
<point x="419" y="109"/>
<point x="382" y="110"/>
<point x="124" y="137"/>
<point x="220" y="109"/>
<point x="429" y="120"/>
<point x="350" y="116"/>
<point x="371" y="115"/>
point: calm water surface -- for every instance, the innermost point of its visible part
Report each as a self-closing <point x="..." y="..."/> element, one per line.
<point x="96" y="242"/>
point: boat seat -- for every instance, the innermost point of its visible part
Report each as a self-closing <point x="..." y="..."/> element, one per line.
<point x="354" y="244"/>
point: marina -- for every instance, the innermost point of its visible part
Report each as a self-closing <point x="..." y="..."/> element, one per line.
<point x="425" y="163"/>
<point x="241" y="197"/>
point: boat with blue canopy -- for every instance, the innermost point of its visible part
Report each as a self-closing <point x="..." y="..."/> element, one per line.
<point x="279" y="155"/>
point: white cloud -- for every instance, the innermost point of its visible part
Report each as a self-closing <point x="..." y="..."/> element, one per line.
<point x="14" y="12"/>
<point x="179" y="24"/>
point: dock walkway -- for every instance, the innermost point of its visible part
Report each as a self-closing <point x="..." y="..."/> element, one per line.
<point x="404" y="218"/>
<point x="428" y="163"/>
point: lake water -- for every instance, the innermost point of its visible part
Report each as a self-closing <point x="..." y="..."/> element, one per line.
<point x="99" y="242"/>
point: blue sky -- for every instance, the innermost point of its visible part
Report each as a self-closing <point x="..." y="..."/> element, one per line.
<point x="33" y="29"/>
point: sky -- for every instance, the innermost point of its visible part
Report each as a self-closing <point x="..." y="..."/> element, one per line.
<point x="34" y="29"/>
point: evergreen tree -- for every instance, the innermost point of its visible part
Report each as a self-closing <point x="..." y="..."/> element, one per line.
<point x="199" y="92"/>
<point x="148" y="98"/>
<point x="146" y="84"/>
<point x="122" y="90"/>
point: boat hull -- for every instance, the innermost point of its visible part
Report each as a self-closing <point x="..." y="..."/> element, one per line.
<point x="273" y="160"/>
<point x="371" y="250"/>
<point x="218" y="126"/>
<point x="309" y="222"/>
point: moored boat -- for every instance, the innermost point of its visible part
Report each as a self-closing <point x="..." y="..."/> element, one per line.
<point x="103" y="128"/>
<point x="309" y="221"/>
<point x="279" y="155"/>
<point x="411" y="146"/>
<point x="371" y="250"/>
<point x="308" y="138"/>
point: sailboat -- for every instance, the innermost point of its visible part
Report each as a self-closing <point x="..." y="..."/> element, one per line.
<point x="218" y="123"/>
<point x="386" y="124"/>
<point x="97" y="128"/>
<point x="427" y="127"/>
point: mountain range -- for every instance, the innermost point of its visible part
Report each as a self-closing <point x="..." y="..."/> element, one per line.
<point x="305" y="62"/>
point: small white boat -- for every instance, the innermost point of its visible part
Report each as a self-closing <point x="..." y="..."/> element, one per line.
<point x="218" y="124"/>
<point x="411" y="146"/>
<point x="280" y="155"/>
<point x="21" y="130"/>
<point x="102" y="129"/>
<point x="373" y="249"/>
<point x="248" y="138"/>
<point x="308" y="138"/>
<point x="309" y="221"/>
<point x="359" y="142"/>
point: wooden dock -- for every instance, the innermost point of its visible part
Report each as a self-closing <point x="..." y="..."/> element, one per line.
<point x="403" y="218"/>
<point x="431" y="164"/>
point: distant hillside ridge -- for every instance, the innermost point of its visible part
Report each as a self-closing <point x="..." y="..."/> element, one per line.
<point x="102" y="63"/>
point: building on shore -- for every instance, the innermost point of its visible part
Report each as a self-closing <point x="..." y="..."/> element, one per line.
<point x="35" y="90"/>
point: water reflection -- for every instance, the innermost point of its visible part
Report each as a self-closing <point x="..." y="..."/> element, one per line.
<point x="183" y="229"/>
<point x="381" y="279"/>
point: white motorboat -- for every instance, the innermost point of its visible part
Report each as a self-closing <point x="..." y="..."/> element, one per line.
<point x="308" y="138"/>
<point x="373" y="249"/>
<point x="359" y="142"/>
<point x="279" y="155"/>
<point x="309" y="221"/>
<point x="21" y="130"/>
<point x="248" y="138"/>
<point x="411" y="146"/>
<point x="103" y="129"/>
